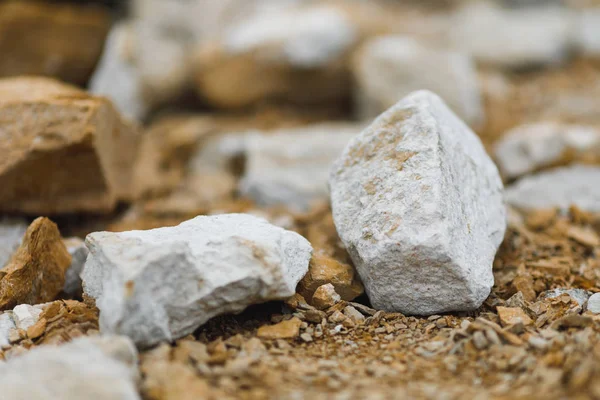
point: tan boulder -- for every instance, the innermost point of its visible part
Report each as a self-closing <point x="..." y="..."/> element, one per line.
<point x="36" y="272"/>
<point x="323" y="270"/>
<point x="45" y="38"/>
<point x="63" y="150"/>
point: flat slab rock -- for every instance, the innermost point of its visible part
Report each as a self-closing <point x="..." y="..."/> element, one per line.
<point x="74" y="149"/>
<point x="418" y="204"/>
<point x="87" y="368"/>
<point x="558" y="187"/>
<point x="162" y="284"/>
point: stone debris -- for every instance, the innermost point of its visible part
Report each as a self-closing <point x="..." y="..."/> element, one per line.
<point x="532" y="147"/>
<point x="291" y="167"/>
<point x="323" y="270"/>
<point x="11" y="234"/>
<point x="388" y="68"/>
<point x="513" y="316"/>
<point x="579" y="295"/>
<point x="25" y="315"/>
<point x="36" y="272"/>
<point x="289" y="329"/>
<point x="219" y="264"/>
<point x="79" y="370"/>
<point x="57" y="40"/>
<point x="593" y="304"/>
<point x="84" y="164"/>
<point x="354" y="315"/>
<point x="557" y="188"/>
<point x="513" y="38"/>
<point x="76" y="248"/>
<point x="325" y="296"/>
<point x="418" y="204"/>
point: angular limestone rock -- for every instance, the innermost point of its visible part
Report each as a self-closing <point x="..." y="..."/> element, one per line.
<point x="11" y="234"/>
<point x="284" y="330"/>
<point x="46" y="38"/>
<point x="78" y="251"/>
<point x="512" y="38"/>
<point x="291" y="167"/>
<point x="558" y="187"/>
<point x="25" y="315"/>
<point x="325" y="296"/>
<point x="36" y="272"/>
<point x="531" y="147"/>
<point x="161" y="284"/>
<point x="62" y="149"/>
<point x="418" y="204"/>
<point x="74" y="371"/>
<point x="324" y="269"/>
<point x="388" y="68"/>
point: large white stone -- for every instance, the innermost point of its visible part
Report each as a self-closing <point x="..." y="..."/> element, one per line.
<point x="418" y="204"/>
<point x="11" y="234"/>
<point x="559" y="187"/>
<point x="75" y="371"/>
<point x="388" y="68"/>
<point x="513" y="37"/>
<point x="162" y="284"/>
<point x="530" y="147"/>
<point x="291" y="167"/>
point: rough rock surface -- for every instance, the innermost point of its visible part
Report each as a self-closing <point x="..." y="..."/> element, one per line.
<point x="579" y="295"/>
<point x="528" y="148"/>
<point x="116" y="76"/>
<point x="291" y="167"/>
<point x="324" y="269"/>
<point x="78" y="251"/>
<point x="284" y="330"/>
<point x="25" y="315"/>
<point x="45" y="38"/>
<point x="325" y="296"/>
<point x="512" y="37"/>
<point x="78" y="370"/>
<point x="62" y="149"/>
<point x="390" y="67"/>
<point x="418" y="204"/>
<point x="161" y="284"/>
<point x="11" y="234"/>
<point x="558" y="187"/>
<point x="36" y="272"/>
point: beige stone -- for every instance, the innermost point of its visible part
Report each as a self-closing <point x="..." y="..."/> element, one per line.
<point x="324" y="269"/>
<point x="513" y="315"/>
<point x="36" y="272"/>
<point x="325" y="297"/>
<point x="288" y="329"/>
<point x="62" y="149"/>
<point x="45" y="38"/>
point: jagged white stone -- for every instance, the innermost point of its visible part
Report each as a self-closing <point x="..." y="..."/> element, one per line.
<point x="513" y="37"/>
<point x="162" y="284"/>
<point x="11" y="234"/>
<point x="291" y="166"/>
<point x="78" y="251"/>
<point x="390" y="67"/>
<point x="530" y="147"/>
<point x="558" y="187"/>
<point x="26" y="315"/>
<point x="418" y="204"/>
<point x="75" y="371"/>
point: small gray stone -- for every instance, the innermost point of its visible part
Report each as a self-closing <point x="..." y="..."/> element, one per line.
<point x="418" y="204"/>
<point x="531" y="147"/>
<point x="291" y="167"/>
<point x="74" y="371"/>
<point x="11" y="234"/>
<point x="162" y="284"/>
<point x="580" y="295"/>
<point x="593" y="304"/>
<point x="78" y="251"/>
<point x="558" y="187"/>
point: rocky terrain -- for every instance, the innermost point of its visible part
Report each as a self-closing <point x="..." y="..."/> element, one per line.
<point x="289" y="199"/>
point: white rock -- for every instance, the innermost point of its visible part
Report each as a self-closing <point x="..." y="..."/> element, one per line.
<point x="11" y="234"/>
<point x="291" y="167"/>
<point x="78" y="251"/>
<point x="579" y="295"/>
<point x="162" y="284"/>
<point x="75" y="371"/>
<point x="593" y="304"/>
<point x="558" y="187"/>
<point x="587" y="36"/>
<point x="418" y="204"/>
<point x="6" y="325"/>
<point x="117" y="76"/>
<point x="25" y="315"/>
<point x="530" y="147"/>
<point x="390" y="67"/>
<point x="513" y="37"/>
